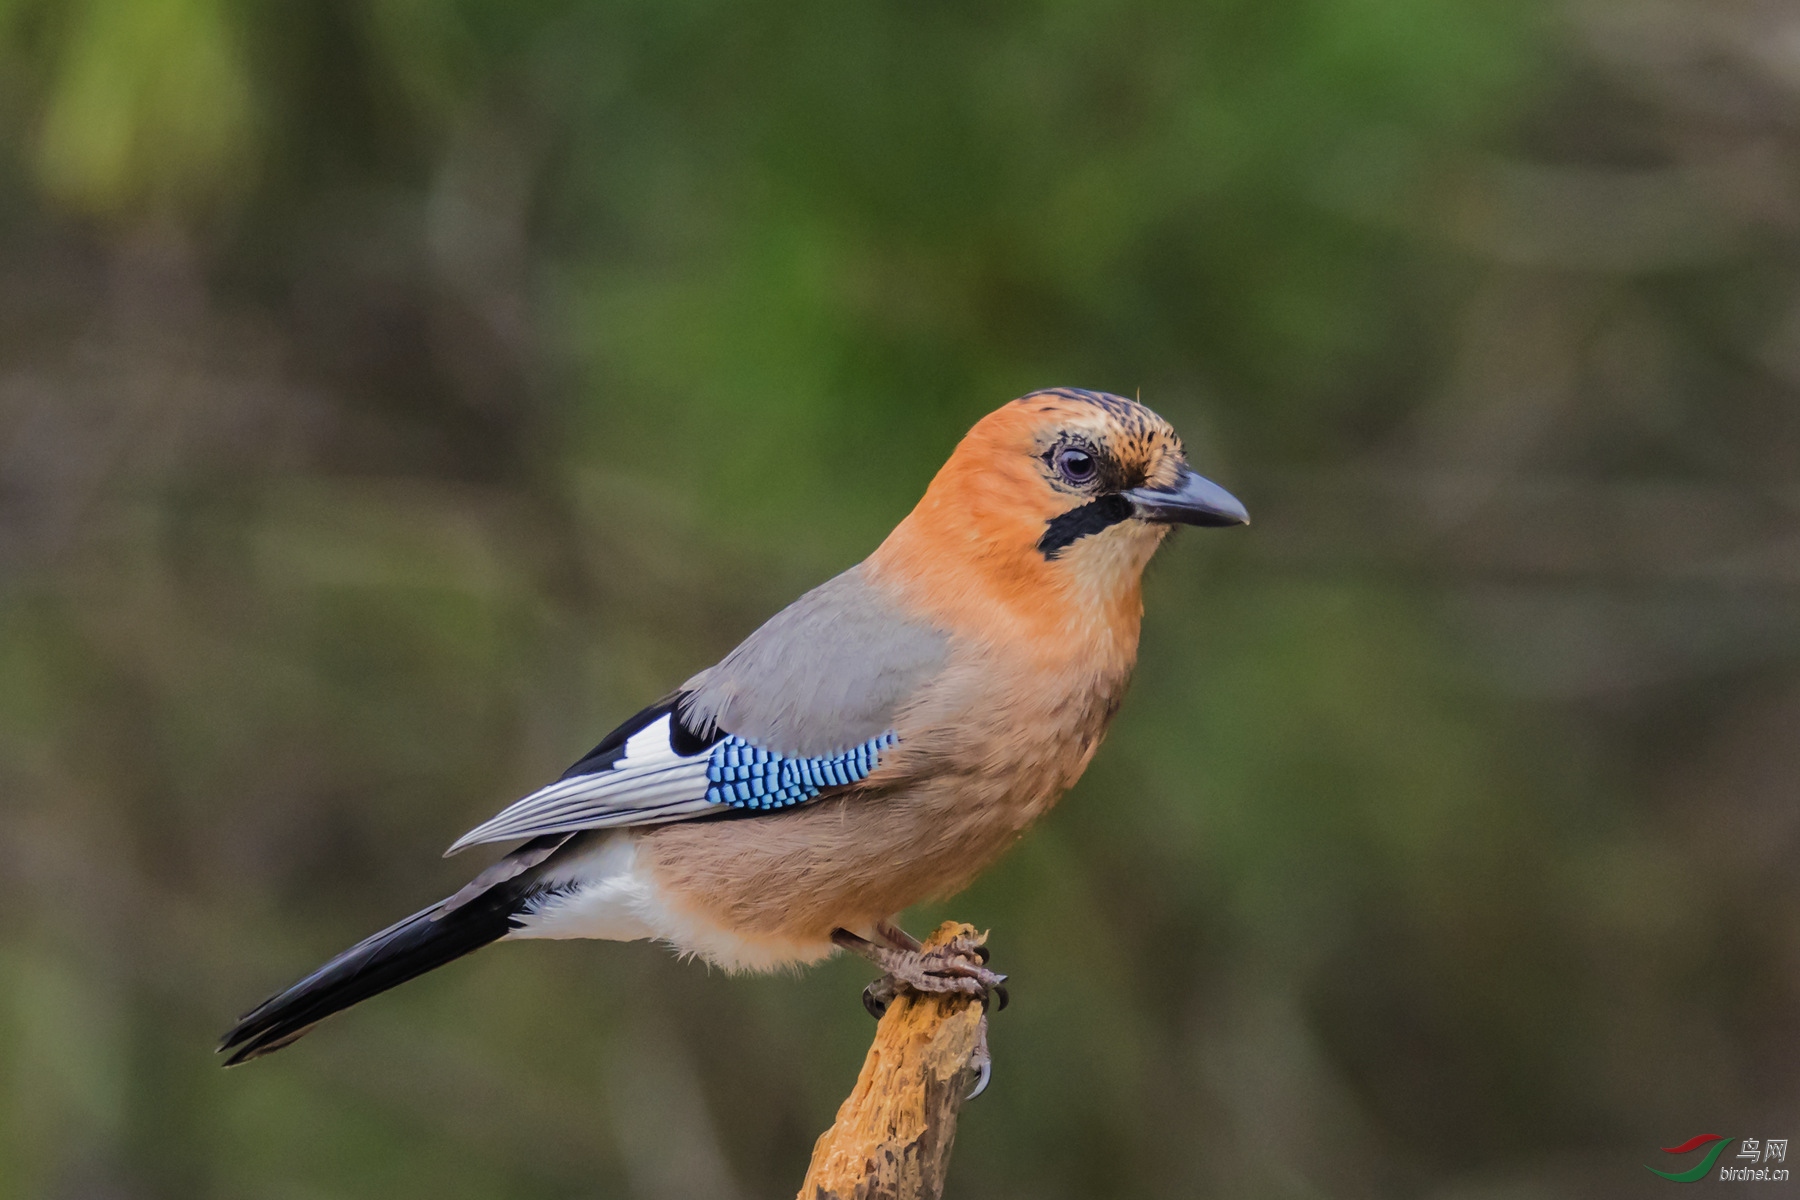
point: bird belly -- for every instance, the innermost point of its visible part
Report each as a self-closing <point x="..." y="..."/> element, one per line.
<point x="609" y="894"/>
<point x="849" y="861"/>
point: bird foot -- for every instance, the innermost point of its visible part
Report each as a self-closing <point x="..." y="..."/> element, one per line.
<point x="958" y="968"/>
<point x="981" y="1060"/>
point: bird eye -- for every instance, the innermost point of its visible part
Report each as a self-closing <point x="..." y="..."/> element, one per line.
<point x="1076" y="466"/>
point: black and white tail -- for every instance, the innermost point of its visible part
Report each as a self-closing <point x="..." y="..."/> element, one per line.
<point x="480" y="913"/>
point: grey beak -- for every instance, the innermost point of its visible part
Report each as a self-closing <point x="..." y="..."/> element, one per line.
<point x="1193" y="500"/>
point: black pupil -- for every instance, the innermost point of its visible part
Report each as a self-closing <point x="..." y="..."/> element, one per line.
<point x="1078" y="465"/>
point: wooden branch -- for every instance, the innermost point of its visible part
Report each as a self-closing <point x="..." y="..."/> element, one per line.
<point x="892" y="1136"/>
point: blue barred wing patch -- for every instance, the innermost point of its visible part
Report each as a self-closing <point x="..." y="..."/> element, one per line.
<point x="652" y="771"/>
<point x="745" y="776"/>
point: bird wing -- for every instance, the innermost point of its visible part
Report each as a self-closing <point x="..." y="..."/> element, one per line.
<point x="637" y="776"/>
<point x="803" y="707"/>
<point x="827" y="672"/>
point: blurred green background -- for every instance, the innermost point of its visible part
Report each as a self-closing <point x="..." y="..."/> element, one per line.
<point x="394" y="395"/>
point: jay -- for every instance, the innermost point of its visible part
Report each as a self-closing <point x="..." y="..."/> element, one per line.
<point x="876" y="743"/>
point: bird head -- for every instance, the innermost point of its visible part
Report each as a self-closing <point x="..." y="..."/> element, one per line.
<point x="1061" y="495"/>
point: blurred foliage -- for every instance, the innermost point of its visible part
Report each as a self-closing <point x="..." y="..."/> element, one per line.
<point x="395" y="396"/>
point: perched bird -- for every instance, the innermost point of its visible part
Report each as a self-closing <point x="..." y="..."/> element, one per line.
<point x="878" y="742"/>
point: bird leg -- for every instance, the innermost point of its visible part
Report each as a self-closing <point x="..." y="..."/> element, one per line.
<point x="898" y="939"/>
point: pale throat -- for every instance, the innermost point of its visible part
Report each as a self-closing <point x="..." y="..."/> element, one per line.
<point x="1106" y="568"/>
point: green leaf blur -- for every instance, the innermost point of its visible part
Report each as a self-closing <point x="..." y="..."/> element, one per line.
<point x="394" y="396"/>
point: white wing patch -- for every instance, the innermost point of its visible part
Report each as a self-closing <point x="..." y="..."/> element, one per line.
<point x="648" y="785"/>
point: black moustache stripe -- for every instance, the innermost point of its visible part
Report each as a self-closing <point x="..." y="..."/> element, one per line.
<point x="1064" y="531"/>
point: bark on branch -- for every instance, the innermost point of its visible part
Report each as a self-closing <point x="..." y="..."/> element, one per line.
<point x="892" y="1136"/>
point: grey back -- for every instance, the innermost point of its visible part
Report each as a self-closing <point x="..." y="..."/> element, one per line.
<point x="826" y="673"/>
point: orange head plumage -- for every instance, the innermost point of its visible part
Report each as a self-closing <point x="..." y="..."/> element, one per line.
<point x="1046" y="514"/>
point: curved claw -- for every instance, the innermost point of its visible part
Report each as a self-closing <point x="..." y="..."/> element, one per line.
<point x="999" y="990"/>
<point x="986" y="1067"/>
<point x="981" y="952"/>
<point x="874" y="1003"/>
